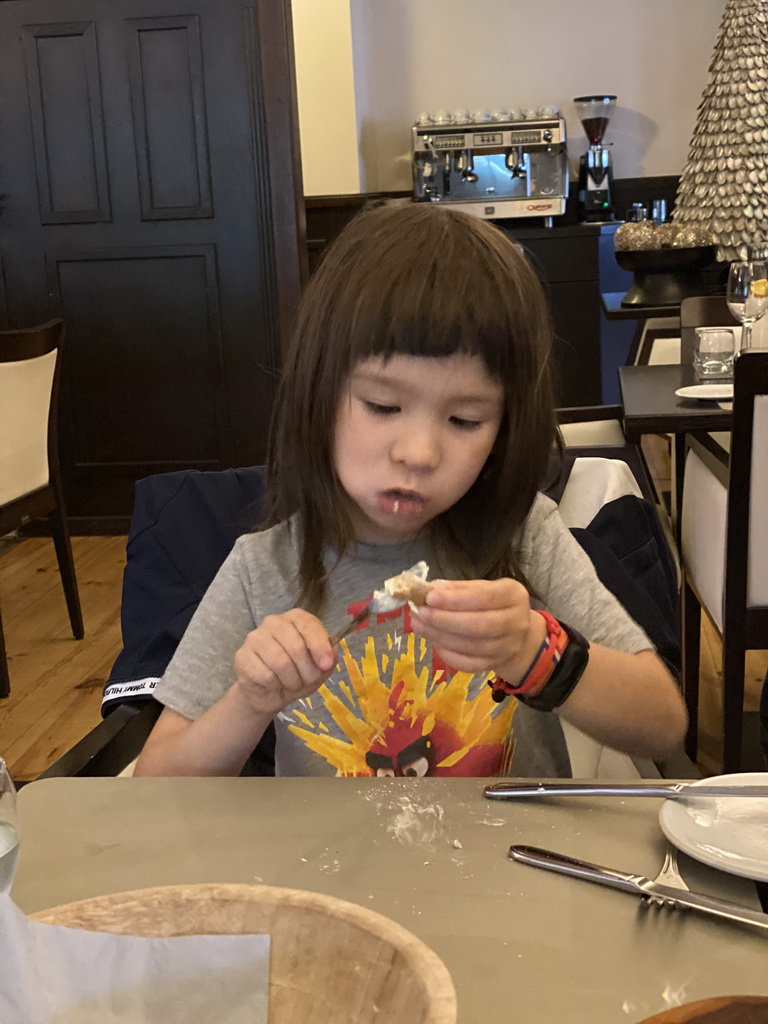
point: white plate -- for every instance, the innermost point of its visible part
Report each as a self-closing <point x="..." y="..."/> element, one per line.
<point x="729" y="833"/>
<point x="712" y="392"/>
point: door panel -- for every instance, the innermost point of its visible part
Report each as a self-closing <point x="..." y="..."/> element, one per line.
<point x="130" y="418"/>
<point x="169" y="125"/>
<point x="62" y="70"/>
<point x="139" y="206"/>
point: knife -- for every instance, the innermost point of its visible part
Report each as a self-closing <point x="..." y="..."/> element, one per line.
<point x="638" y="885"/>
<point x="512" y="790"/>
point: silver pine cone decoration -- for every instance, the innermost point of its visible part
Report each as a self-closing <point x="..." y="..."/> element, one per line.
<point x="724" y="186"/>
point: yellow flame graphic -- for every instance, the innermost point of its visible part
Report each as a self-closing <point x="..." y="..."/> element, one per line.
<point x="362" y="711"/>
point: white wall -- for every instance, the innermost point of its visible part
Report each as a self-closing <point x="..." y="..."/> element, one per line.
<point x="325" y="83"/>
<point x="414" y="55"/>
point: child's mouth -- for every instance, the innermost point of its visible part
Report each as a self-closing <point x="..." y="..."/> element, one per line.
<point x="400" y="502"/>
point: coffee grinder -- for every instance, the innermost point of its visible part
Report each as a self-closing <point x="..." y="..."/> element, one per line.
<point x="595" y="168"/>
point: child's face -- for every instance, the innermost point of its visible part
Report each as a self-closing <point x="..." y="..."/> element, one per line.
<point x="412" y="435"/>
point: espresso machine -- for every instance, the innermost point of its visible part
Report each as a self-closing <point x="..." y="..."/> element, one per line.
<point x="595" y="167"/>
<point x="492" y="165"/>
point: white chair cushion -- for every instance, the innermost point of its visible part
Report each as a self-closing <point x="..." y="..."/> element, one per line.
<point x="592" y="433"/>
<point x="127" y="772"/>
<point x="25" y="398"/>
<point x="591" y="484"/>
<point x="705" y="502"/>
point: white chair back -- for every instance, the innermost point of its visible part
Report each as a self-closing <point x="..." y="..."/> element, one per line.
<point x="664" y="351"/>
<point x="25" y="400"/>
<point x="757" y="571"/>
<point x="705" y="515"/>
<point x="705" y="524"/>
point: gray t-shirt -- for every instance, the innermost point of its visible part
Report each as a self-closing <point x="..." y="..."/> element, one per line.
<point x="391" y="706"/>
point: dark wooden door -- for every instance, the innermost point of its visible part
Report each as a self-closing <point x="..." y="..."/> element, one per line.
<point x="150" y="178"/>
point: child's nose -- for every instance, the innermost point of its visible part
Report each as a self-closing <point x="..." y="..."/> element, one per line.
<point x="417" y="448"/>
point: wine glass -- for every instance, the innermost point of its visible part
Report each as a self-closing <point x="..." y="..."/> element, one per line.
<point x="748" y="294"/>
<point x="9" y="832"/>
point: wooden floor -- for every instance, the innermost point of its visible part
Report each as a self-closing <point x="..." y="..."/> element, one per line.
<point x="56" y="681"/>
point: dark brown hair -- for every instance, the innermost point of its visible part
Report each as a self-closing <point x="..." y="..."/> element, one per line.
<point x="415" y="280"/>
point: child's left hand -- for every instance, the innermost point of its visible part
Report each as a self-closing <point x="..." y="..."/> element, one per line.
<point x="482" y="625"/>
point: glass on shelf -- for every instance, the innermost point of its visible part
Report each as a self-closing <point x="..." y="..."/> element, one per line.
<point x="747" y="295"/>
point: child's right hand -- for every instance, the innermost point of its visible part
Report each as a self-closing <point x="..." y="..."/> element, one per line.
<point x="288" y="657"/>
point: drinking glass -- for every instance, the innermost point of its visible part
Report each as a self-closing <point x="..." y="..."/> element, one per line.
<point x="748" y="294"/>
<point x="9" y="832"/>
<point x="713" y="353"/>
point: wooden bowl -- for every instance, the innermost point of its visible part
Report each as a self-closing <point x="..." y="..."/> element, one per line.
<point x="717" y="1010"/>
<point x="331" y="962"/>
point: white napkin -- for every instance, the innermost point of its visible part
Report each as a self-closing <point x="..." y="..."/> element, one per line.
<point x="55" y="975"/>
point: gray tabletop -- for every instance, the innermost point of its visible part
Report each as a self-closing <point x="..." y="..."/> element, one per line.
<point x="522" y="944"/>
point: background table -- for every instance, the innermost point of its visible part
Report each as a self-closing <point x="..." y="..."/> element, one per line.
<point x="521" y="943"/>
<point x="652" y="407"/>
<point x="613" y="309"/>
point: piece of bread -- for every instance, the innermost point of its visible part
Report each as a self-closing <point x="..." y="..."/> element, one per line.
<point x="407" y="587"/>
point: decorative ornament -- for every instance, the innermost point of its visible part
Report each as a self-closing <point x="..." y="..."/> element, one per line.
<point x="724" y="186"/>
<point x="633" y="236"/>
<point x="644" y="234"/>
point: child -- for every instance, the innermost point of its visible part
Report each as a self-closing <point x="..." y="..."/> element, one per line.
<point x="415" y="420"/>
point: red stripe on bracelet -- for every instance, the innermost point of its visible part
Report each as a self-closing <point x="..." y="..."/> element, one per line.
<point x="540" y="671"/>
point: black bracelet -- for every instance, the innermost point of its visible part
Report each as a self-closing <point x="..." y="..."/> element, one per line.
<point x="563" y="680"/>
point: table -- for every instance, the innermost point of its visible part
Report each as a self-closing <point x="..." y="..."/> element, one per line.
<point x="521" y="943"/>
<point x="652" y="407"/>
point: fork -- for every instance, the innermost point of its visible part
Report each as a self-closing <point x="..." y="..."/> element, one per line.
<point x="352" y="624"/>
<point x="668" y="875"/>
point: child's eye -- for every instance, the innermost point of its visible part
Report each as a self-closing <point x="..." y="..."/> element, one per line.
<point x="381" y="410"/>
<point x="462" y="424"/>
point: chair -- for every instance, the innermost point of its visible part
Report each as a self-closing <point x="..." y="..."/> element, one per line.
<point x="659" y="342"/>
<point x="169" y="568"/>
<point x="599" y="477"/>
<point x="184" y="525"/>
<point x="584" y="426"/>
<point x="725" y="549"/>
<point x="30" y="478"/>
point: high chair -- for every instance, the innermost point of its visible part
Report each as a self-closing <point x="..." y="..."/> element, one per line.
<point x="169" y="568"/>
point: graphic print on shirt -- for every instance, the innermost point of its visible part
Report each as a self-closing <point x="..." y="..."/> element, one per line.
<point x="399" y="710"/>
